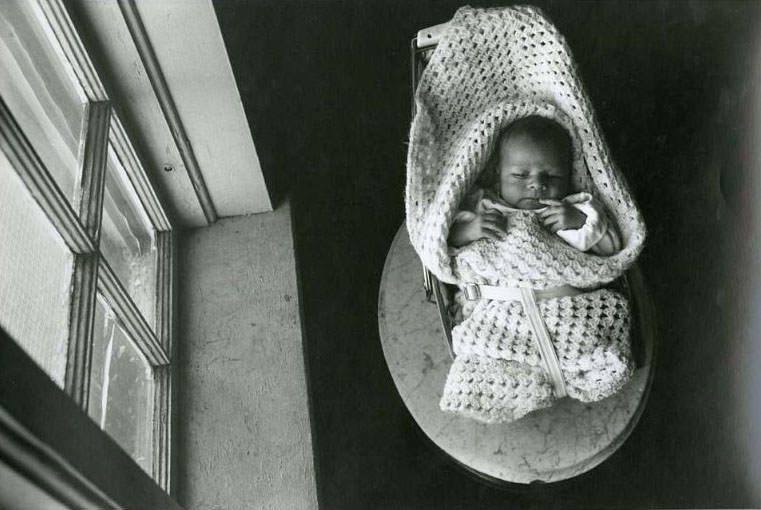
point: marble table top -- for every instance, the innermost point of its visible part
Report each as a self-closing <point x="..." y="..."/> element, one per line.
<point x="547" y="445"/>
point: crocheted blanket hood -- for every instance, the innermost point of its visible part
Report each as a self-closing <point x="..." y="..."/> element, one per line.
<point x="493" y="66"/>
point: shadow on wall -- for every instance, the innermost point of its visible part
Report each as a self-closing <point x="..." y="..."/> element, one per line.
<point x="675" y="86"/>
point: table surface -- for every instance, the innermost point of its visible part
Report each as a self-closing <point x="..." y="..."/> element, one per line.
<point x="547" y="445"/>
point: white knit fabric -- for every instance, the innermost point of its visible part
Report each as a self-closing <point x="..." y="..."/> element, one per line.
<point x="493" y="66"/>
<point x="497" y="373"/>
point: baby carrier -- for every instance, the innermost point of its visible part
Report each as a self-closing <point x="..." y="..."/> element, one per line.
<point x="490" y="67"/>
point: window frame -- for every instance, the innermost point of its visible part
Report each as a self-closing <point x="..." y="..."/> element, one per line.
<point x="79" y="224"/>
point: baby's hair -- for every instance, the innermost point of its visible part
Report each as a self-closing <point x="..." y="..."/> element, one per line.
<point x="539" y="130"/>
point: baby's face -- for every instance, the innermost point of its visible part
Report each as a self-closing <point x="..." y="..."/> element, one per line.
<point x="529" y="171"/>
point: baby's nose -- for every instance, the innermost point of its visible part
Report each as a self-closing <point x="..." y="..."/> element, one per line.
<point x="537" y="183"/>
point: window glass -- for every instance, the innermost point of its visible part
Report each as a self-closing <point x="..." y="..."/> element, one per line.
<point x="128" y="240"/>
<point x="41" y="93"/>
<point x="121" y="387"/>
<point x="35" y="276"/>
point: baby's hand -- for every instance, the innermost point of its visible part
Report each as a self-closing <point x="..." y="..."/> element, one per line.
<point x="561" y="216"/>
<point x="474" y="226"/>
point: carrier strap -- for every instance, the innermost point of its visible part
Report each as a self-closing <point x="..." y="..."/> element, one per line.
<point x="542" y="338"/>
<point x="528" y="297"/>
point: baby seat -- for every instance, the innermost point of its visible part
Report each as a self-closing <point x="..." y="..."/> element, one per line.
<point x="490" y="67"/>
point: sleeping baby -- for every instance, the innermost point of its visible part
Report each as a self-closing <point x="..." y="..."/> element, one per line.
<point x="529" y="329"/>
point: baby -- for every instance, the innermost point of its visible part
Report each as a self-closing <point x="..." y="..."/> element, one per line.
<point x="529" y="329"/>
<point x="531" y="169"/>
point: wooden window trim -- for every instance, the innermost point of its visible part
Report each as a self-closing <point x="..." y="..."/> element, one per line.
<point x="81" y="319"/>
<point x="161" y="89"/>
<point x="165" y="405"/>
<point x="94" y="155"/>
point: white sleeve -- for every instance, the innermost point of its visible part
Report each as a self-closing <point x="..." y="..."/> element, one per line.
<point x="594" y="228"/>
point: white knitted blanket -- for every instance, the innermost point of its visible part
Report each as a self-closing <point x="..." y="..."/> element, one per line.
<point x="498" y="375"/>
<point x="491" y="67"/>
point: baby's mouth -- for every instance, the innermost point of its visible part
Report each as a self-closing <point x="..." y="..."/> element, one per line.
<point x="531" y="203"/>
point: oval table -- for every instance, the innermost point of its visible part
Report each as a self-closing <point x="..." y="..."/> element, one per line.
<point x="548" y="445"/>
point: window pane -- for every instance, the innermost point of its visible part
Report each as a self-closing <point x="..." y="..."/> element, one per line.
<point x="40" y="93"/>
<point x="35" y="275"/>
<point x="128" y="239"/>
<point x="121" y="387"/>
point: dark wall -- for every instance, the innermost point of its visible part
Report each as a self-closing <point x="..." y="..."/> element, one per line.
<point x="326" y="87"/>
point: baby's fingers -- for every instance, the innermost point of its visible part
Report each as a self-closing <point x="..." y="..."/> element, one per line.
<point x="552" y="222"/>
<point x="499" y="223"/>
<point x="550" y="211"/>
<point x="490" y="234"/>
<point x="491" y="231"/>
<point x="492" y="215"/>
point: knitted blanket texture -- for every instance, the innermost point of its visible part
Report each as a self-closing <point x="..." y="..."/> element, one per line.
<point x="498" y="375"/>
<point x="491" y="67"/>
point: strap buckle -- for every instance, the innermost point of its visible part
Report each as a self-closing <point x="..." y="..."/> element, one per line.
<point x="472" y="292"/>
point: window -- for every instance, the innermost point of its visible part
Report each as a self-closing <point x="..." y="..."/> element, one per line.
<point x="86" y="256"/>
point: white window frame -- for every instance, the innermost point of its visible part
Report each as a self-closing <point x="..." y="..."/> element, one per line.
<point x="79" y="224"/>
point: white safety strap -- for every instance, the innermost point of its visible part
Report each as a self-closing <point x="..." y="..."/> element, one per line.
<point x="474" y="291"/>
<point x="527" y="297"/>
<point x="543" y="342"/>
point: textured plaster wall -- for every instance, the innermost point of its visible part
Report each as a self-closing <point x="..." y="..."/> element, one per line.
<point x="244" y="430"/>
